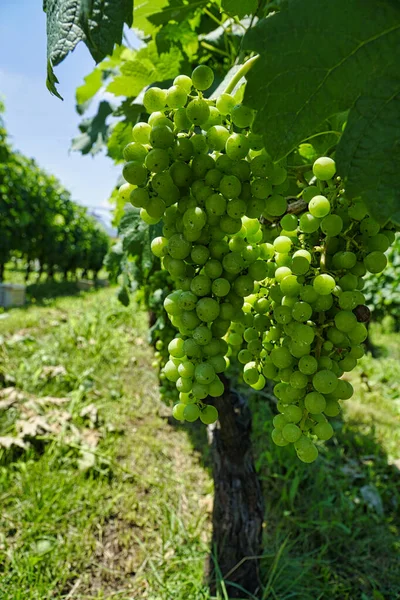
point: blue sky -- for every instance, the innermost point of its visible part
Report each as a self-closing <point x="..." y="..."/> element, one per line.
<point x="40" y="125"/>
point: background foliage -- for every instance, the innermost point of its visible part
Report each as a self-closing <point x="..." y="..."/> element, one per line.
<point x="40" y="222"/>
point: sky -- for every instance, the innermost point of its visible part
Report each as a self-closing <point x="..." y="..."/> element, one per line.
<point x="40" y="125"/>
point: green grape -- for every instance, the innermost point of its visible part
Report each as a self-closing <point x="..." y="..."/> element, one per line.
<point x="308" y="223"/>
<point x="186" y="369"/>
<point x="242" y="116"/>
<point x="135" y="173"/>
<point x="291" y="432"/>
<point x="345" y="320"/>
<point x="279" y="422"/>
<point x="358" y="334"/>
<point x="202" y="335"/>
<point x="331" y="225"/>
<point x="278" y="438"/>
<point x="306" y="451"/>
<point x="154" y="99"/>
<point x="157" y="160"/>
<point x="217" y="137"/>
<point x="293" y="413"/>
<point x="375" y="262"/>
<point x="209" y="415"/>
<point x="135" y="152"/>
<point x="319" y="206"/>
<point x="315" y="403"/>
<point x="282" y="244"/>
<point x="324" y="168"/>
<point x="258" y="270"/>
<point x="178" y="247"/>
<point x="250" y="373"/>
<point x="298" y="380"/>
<point x="202" y="77"/>
<point x="290" y="286"/>
<point x="207" y="309"/>
<point x="141" y="133"/>
<point x="191" y="412"/>
<point x="184" y="82"/>
<point x="301" y="311"/>
<point x="325" y="381"/>
<point x="176" y="97"/>
<point x="289" y="222"/>
<point x="237" y="146"/>
<point x="276" y="205"/>
<point x="244" y="285"/>
<point x="323" y="431"/>
<point x="281" y="357"/>
<point x="171" y="371"/>
<point x="216" y="388"/>
<point x="225" y="104"/>
<point x="197" y="111"/>
<point x="308" y="364"/>
<point x="204" y="373"/>
<point x="178" y="411"/>
<point x="324" y="284"/>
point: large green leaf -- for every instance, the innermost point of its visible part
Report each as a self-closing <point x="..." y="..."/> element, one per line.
<point x="147" y="67"/>
<point x="98" y="23"/>
<point x="369" y="152"/>
<point x="143" y="10"/>
<point x="317" y="60"/>
<point x="239" y="8"/>
<point x="177" y="10"/>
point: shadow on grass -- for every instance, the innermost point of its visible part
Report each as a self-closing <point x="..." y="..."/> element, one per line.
<point x="332" y="529"/>
<point x="43" y="292"/>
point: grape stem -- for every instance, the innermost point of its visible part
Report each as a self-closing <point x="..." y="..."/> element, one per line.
<point x="244" y="69"/>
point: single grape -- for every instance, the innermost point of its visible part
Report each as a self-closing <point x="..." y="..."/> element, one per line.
<point x="154" y="99"/>
<point x="184" y="82"/>
<point x="242" y="116"/>
<point x="315" y="402"/>
<point x="178" y="411"/>
<point x="319" y="206"/>
<point x="209" y="415"/>
<point x="197" y="112"/>
<point x="202" y="77"/>
<point x="324" y="168"/>
<point x="325" y="381"/>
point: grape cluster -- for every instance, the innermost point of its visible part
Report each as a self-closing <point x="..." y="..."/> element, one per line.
<point x="277" y="285"/>
<point x="197" y="167"/>
<point x="304" y="327"/>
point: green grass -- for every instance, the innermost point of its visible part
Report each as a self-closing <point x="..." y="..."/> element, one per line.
<point x="102" y="532"/>
<point x="118" y="505"/>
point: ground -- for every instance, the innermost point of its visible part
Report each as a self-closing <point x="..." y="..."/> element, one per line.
<point x="104" y="497"/>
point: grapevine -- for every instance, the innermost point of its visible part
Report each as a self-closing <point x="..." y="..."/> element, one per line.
<point x="274" y="282"/>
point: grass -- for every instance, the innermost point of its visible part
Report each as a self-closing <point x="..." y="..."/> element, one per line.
<point x="113" y="502"/>
<point x="101" y="531"/>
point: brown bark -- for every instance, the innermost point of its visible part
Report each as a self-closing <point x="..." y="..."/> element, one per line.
<point x="238" y="502"/>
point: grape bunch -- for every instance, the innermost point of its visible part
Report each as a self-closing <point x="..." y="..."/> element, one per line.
<point x="304" y="328"/>
<point x="277" y="285"/>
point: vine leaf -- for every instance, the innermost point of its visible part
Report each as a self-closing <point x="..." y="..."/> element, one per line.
<point x="316" y="62"/>
<point x="369" y="152"/>
<point x="94" y="131"/>
<point x="239" y="8"/>
<point x="98" y="24"/>
<point x="177" y="10"/>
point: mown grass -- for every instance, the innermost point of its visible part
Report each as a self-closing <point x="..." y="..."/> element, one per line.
<point x="101" y="532"/>
<point x="135" y="521"/>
